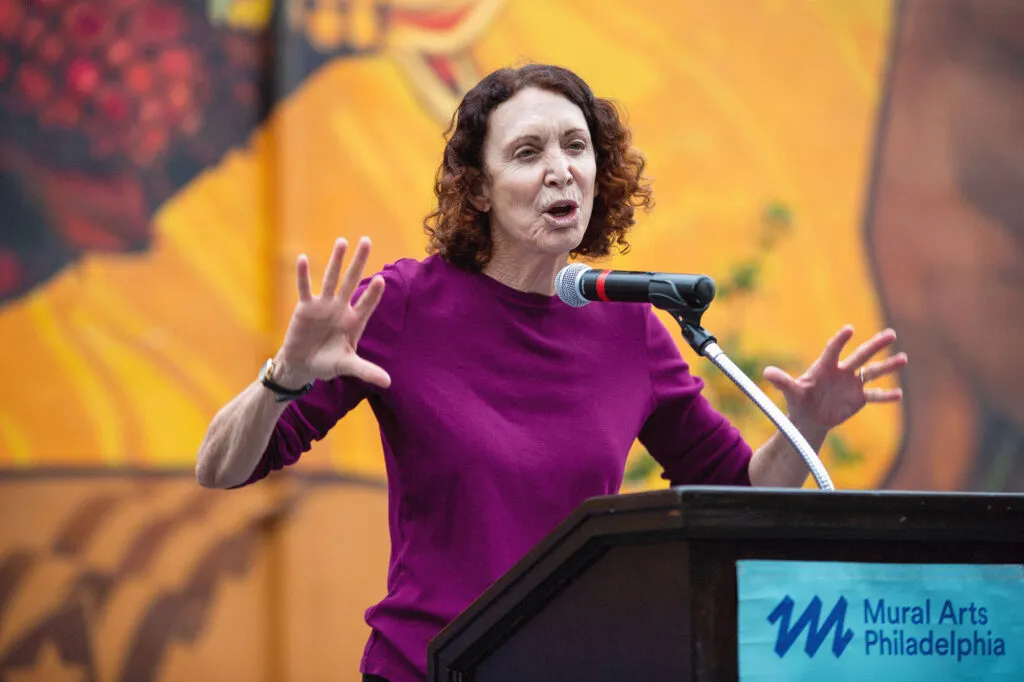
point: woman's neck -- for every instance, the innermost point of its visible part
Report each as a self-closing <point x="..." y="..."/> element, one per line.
<point x="535" y="274"/>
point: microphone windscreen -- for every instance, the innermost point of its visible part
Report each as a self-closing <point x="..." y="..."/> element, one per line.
<point x="567" y="284"/>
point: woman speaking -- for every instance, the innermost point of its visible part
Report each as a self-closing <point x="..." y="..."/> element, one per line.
<point x="500" y="407"/>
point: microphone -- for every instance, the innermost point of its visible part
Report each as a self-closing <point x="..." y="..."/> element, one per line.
<point x="578" y="284"/>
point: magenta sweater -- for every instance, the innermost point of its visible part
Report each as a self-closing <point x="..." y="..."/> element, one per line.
<point x="506" y="411"/>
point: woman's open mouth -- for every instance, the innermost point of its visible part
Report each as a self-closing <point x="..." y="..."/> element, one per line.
<point x="562" y="213"/>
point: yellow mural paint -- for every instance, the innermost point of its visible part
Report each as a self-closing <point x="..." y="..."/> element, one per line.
<point x="738" y="106"/>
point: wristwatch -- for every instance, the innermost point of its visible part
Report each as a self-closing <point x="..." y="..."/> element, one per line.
<point x="283" y="394"/>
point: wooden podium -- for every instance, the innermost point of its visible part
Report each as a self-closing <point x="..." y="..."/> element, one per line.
<point x="643" y="586"/>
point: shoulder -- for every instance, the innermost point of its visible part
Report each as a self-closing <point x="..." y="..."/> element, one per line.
<point x="398" y="277"/>
<point x="405" y="280"/>
<point x="409" y="273"/>
<point x="386" y="325"/>
<point x="429" y="285"/>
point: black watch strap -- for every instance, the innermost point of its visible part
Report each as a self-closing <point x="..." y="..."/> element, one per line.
<point x="283" y="394"/>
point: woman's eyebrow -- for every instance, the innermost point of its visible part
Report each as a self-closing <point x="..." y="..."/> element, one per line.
<point x="533" y="137"/>
<point x="525" y="137"/>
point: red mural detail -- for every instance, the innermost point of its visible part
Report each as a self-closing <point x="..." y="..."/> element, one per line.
<point x="442" y="67"/>
<point x="108" y="108"/>
<point x="432" y="20"/>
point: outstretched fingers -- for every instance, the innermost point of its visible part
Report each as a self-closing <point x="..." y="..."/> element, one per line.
<point x="354" y="274"/>
<point x="333" y="271"/>
<point x="780" y="379"/>
<point x="830" y="356"/>
<point x="882" y="368"/>
<point x="369" y="372"/>
<point x="883" y="395"/>
<point x="369" y="299"/>
<point x="869" y="348"/>
<point x="302" y="277"/>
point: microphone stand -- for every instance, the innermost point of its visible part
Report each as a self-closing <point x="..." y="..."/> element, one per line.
<point x="688" y="314"/>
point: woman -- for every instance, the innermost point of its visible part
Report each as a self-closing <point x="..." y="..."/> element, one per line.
<point x="501" y="409"/>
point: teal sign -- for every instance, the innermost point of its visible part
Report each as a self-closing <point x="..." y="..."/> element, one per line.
<point x="858" y="621"/>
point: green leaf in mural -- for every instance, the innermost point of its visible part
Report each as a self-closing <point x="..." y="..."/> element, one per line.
<point x="640" y="468"/>
<point x="841" y="454"/>
<point x="776" y="222"/>
<point x="744" y="276"/>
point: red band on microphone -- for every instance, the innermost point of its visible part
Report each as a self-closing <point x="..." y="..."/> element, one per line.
<point x="600" y="286"/>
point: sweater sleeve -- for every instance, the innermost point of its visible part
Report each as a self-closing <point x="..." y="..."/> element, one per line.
<point x="693" y="443"/>
<point x="310" y="417"/>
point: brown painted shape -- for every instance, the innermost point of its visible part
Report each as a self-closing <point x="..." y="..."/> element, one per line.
<point x="178" y="617"/>
<point x="943" y="233"/>
<point x="164" y="617"/>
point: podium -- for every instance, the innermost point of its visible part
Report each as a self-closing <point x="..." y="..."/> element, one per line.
<point x="643" y="586"/>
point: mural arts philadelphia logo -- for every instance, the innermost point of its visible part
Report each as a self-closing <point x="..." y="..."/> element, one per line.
<point x="908" y="630"/>
<point x="817" y="630"/>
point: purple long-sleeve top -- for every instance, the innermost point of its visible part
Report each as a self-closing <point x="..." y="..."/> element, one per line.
<point x="505" y="412"/>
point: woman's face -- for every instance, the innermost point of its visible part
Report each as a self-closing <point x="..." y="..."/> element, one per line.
<point x="539" y="168"/>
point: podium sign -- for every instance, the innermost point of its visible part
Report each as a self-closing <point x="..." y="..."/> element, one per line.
<point x="691" y="583"/>
<point x="810" y="620"/>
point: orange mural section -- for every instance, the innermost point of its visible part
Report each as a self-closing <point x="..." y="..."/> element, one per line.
<point x="757" y="120"/>
<point x="742" y="108"/>
<point x="138" y="353"/>
<point x="124" y="360"/>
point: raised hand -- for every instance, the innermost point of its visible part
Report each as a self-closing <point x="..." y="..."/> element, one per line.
<point x="324" y="330"/>
<point x="833" y="390"/>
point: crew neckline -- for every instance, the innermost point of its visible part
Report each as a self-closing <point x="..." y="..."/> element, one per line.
<point x="510" y="294"/>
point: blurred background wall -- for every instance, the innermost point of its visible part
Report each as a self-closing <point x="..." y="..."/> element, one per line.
<point x="163" y="162"/>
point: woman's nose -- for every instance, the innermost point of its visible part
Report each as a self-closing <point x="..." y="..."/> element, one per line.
<point x="559" y="172"/>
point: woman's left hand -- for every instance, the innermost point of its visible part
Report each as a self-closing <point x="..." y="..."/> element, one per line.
<point x="833" y="390"/>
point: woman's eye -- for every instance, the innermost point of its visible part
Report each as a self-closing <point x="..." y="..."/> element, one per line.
<point x="577" y="145"/>
<point x="525" y="153"/>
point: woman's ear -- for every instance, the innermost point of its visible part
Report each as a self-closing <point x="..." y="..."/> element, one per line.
<point x="480" y="202"/>
<point x="480" y="194"/>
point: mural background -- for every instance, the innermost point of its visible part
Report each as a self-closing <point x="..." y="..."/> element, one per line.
<point x="163" y="162"/>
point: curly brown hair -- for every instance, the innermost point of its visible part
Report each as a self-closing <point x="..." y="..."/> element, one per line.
<point x="461" y="234"/>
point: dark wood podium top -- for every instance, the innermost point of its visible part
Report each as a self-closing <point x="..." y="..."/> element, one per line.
<point x="740" y="517"/>
<point x="718" y="511"/>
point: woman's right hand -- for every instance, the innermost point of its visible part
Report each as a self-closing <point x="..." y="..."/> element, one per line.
<point x="325" y="330"/>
